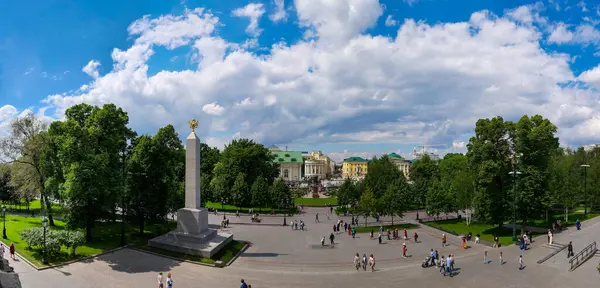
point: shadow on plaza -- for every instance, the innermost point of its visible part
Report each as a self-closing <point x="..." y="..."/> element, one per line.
<point x="259" y="255"/>
<point x="132" y="261"/>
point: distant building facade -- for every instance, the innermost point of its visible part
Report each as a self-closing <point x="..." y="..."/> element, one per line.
<point x="317" y="164"/>
<point x="402" y="164"/>
<point x="354" y="168"/>
<point x="290" y="164"/>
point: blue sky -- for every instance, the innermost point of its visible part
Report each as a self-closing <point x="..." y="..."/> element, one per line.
<point x="44" y="46"/>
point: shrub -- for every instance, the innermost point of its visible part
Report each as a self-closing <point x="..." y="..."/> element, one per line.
<point x="52" y="246"/>
<point x="34" y="237"/>
<point x="70" y="239"/>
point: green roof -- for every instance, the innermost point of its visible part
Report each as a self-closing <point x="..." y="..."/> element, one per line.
<point x="355" y="159"/>
<point x="287" y="156"/>
<point x="395" y="156"/>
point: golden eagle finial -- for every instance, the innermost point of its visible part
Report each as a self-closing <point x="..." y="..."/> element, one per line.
<point x="193" y="124"/>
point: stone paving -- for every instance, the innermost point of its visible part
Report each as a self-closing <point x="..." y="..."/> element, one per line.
<point x="280" y="257"/>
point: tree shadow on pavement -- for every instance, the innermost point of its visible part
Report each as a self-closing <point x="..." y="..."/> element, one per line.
<point x="132" y="261"/>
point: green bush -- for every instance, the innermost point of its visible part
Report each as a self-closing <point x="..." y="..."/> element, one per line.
<point x="34" y="237"/>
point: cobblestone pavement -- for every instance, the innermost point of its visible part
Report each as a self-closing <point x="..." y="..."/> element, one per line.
<point x="280" y="257"/>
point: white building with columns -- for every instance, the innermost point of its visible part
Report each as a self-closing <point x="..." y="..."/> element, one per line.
<point x="317" y="164"/>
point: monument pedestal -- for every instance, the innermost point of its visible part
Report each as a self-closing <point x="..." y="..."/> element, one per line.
<point x="192" y="237"/>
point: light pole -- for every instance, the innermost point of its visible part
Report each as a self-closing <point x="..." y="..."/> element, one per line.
<point x="515" y="173"/>
<point x="44" y="260"/>
<point x="123" y="239"/>
<point x="4" y="216"/>
<point x="585" y="200"/>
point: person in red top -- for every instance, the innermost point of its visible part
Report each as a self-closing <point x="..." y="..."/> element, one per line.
<point x="404" y="250"/>
<point x="12" y="251"/>
<point x="415" y="236"/>
<point x="349" y="230"/>
<point x="405" y="234"/>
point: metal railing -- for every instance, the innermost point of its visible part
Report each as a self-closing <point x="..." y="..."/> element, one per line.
<point x="586" y="253"/>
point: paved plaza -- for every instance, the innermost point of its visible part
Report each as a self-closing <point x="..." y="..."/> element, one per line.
<point x="281" y="257"/>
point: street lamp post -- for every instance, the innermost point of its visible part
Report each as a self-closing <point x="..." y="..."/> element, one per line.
<point x="585" y="201"/>
<point x="4" y="216"/>
<point x="514" y="174"/>
<point x="44" y="260"/>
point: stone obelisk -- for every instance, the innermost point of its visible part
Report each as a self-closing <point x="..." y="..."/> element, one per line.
<point x="193" y="236"/>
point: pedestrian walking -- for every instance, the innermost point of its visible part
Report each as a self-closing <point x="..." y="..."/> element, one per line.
<point x="405" y="234"/>
<point x="243" y="285"/>
<point x="349" y="230"/>
<point x="160" y="281"/>
<point x="443" y="266"/>
<point x="364" y="262"/>
<point x="496" y="242"/>
<point x="379" y="237"/>
<point x="443" y="239"/>
<point x="415" y="236"/>
<point x="331" y="237"/>
<point x="317" y="218"/>
<point x="485" y="259"/>
<point x="12" y="251"/>
<point x="323" y="241"/>
<point x="372" y="262"/>
<point x="501" y="260"/>
<point x="520" y="262"/>
<point x="357" y="261"/>
<point x="578" y="224"/>
<point x="353" y="232"/>
<point x="570" y="249"/>
<point x="404" y="249"/>
<point x="371" y="233"/>
<point x="169" y="281"/>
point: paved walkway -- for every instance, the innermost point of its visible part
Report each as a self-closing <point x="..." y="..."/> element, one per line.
<point x="281" y="257"/>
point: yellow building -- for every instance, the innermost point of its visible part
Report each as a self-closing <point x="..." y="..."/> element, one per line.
<point x="317" y="164"/>
<point x="354" y="168"/>
<point x="402" y="164"/>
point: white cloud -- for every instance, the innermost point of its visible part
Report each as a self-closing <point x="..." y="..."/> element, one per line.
<point x="213" y="109"/>
<point x="92" y="69"/>
<point x="425" y="84"/>
<point x="279" y="14"/>
<point x="253" y="11"/>
<point x="411" y="2"/>
<point x="585" y="33"/>
<point x="389" y="21"/>
<point x="561" y="34"/>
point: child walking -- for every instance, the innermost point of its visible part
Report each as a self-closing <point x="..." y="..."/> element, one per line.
<point x="485" y="259"/>
<point x="501" y="260"/>
<point x="520" y="262"/>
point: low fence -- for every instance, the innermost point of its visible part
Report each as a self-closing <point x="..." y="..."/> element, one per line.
<point x="583" y="255"/>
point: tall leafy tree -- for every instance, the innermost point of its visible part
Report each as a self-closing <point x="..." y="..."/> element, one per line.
<point x="348" y="194"/>
<point x="423" y="172"/>
<point x="368" y="204"/>
<point x="382" y="173"/>
<point x="534" y="140"/>
<point x="239" y="191"/>
<point x="260" y="193"/>
<point x="450" y="167"/>
<point x="25" y="145"/>
<point x="281" y="194"/>
<point x="246" y="157"/>
<point x="394" y="201"/>
<point x="489" y="154"/>
<point x="90" y="142"/>
<point x="7" y="189"/>
<point x="437" y="199"/>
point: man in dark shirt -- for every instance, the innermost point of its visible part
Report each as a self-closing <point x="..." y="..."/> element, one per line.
<point x="570" y="249"/>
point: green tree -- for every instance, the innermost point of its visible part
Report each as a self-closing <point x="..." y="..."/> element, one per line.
<point x="394" y="201"/>
<point x="463" y="190"/>
<point x="437" y="199"/>
<point x="281" y="194"/>
<point x="368" y="204"/>
<point x="450" y="167"/>
<point x="348" y="194"/>
<point x="246" y="157"/>
<point x="534" y="140"/>
<point x="210" y="157"/>
<point x="25" y="145"/>
<point x="489" y="154"/>
<point x="239" y="191"/>
<point x="260" y="193"/>
<point x="423" y="172"/>
<point x="90" y="142"/>
<point x="7" y="189"/>
<point x="382" y="173"/>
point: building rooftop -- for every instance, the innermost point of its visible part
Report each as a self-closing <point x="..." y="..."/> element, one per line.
<point x="395" y="156"/>
<point x="287" y="157"/>
<point x="355" y="159"/>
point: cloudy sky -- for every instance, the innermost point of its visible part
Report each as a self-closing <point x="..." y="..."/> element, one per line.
<point x="349" y="77"/>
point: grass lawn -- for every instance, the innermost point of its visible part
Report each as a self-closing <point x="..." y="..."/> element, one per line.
<point x="107" y="235"/>
<point x="315" y="202"/>
<point x="487" y="231"/>
<point x="552" y="218"/>
<point x="225" y="255"/>
<point x="233" y="209"/>
<point x="367" y="229"/>
<point x="34" y="206"/>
